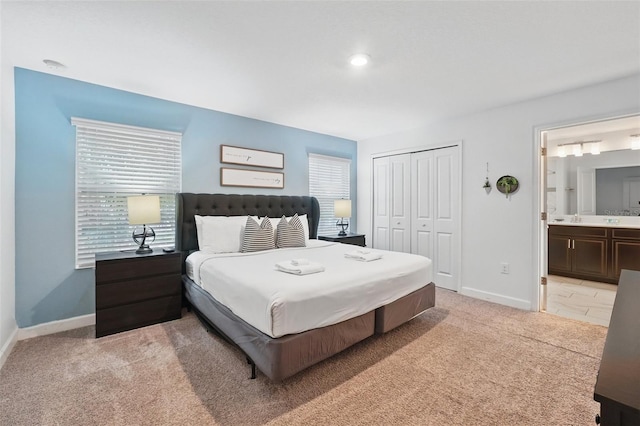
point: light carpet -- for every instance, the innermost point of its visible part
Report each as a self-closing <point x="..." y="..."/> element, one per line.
<point x="463" y="362"/>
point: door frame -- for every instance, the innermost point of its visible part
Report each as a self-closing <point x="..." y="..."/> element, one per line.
<point x="456" y="143"/>
<point x="538" y="291"/>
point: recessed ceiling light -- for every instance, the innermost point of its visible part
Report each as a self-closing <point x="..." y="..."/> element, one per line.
<point x="50" y="63"/>
<point x="359" y="60"/>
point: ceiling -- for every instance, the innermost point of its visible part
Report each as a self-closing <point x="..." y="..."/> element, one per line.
<point x="286" y="62"/>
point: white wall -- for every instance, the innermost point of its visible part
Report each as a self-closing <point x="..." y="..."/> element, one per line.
<point x="7" y="205"/>
<point x="496" y="229"/>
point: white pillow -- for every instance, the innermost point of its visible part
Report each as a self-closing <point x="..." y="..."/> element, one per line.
<point x="220" y="234"/>
<point x="303" y="219"/>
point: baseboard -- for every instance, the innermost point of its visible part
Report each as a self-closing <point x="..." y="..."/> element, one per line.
<point x="496" y="298"/>
<point x="8" y="346"/>
<point x="56" y="326"/>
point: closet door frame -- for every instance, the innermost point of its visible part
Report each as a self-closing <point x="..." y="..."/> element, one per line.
<point x="409" y="150"/>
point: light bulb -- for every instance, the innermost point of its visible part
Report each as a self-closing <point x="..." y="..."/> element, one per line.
<point x="359" y="60"/>
<point x="595" y="148"/>
<point x="562" y="152"/>
<point x="577" y="150"/>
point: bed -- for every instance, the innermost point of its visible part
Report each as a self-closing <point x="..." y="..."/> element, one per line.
<point x="285" y="343"/>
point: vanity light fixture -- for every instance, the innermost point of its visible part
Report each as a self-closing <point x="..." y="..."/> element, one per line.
<point x="635" y="141"/>
<point x="359" y="60"/>
<point x="578" y="146"/>
<point x="577" y="150"/>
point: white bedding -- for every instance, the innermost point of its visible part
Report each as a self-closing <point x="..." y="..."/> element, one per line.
<point x="279" y="303"/>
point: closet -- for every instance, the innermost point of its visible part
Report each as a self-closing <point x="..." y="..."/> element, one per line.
<point x="416" y="208"/>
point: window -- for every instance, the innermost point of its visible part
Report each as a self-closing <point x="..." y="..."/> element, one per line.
<point x="329" y="180"/>
<point x="114" y="161"/>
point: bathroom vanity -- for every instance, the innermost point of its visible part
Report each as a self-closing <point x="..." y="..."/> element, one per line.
<point x="596" y="252"/>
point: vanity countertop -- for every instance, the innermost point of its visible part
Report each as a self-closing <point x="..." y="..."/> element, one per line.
<point x="596" y="224"/>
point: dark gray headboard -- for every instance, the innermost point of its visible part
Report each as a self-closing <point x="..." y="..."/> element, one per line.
<point x="189" y="205"/>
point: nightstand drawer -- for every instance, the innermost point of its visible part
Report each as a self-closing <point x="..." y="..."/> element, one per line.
<point x="136" y="267"/>
<point x="124" y="292"/>
<point x="128" y="317"/>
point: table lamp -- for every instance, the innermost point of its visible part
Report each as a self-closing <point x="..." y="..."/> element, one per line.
<point x="342" y="209"/>
<point x="143" y="210"/>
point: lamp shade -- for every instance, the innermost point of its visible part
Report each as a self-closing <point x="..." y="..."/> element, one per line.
<point x="143" y="209"/>
<point x="342" y="208"/>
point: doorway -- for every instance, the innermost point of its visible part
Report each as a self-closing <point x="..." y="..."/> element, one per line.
<point x="580" y="207"/>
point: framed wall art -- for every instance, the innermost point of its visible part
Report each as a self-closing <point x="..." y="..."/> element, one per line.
<point x="251" y="157"/>
<point x="251" y="178"/>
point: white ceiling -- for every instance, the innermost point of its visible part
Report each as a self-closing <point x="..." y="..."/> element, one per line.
<point x="286" y="62"/>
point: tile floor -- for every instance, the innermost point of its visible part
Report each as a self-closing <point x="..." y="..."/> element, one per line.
<point x="579" y="299"/>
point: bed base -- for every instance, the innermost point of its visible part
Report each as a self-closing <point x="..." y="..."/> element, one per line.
<point x="279" y="358"/>
<point x="211" y="328"/>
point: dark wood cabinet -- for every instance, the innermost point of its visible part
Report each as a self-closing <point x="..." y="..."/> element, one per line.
<point x="560" y="254"/>
<point x="617" y="387"/>
<point x="591" y="252"/>
<point x="579" y="252"/>
<point x="353" y="239"/>
<point x="626" y="250"/>
<point x="135" y="290"/>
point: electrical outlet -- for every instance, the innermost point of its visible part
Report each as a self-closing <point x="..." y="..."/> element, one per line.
<point x="504" y="268"/>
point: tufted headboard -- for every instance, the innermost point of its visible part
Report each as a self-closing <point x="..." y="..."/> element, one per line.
<point x="189" y="205"/>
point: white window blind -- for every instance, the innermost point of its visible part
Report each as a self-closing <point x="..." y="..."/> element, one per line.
<point x="114" y="161"/>
<point x="329" y="180"/>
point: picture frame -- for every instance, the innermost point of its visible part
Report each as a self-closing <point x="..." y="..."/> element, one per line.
<point x="251" y="157"/>
<point x="251" y="178"/>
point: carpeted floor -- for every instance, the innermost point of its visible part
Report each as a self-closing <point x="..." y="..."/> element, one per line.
<point x="464" y="362"/>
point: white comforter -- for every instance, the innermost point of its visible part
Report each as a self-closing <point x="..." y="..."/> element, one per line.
<point x="279" y="303"/>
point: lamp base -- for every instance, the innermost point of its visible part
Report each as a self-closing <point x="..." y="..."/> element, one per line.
<point x="344" y="226"/>
<point x="145" y="249"/>
<point x="141" y="238"/>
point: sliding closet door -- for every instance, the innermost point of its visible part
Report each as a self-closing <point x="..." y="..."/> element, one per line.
<point x="400" y="195"/>
<point x="446" y="212"/>
<point x="422" y="203"/>
<point x="417" y="209"/>
<point x="392" y="203"/>
<point x="435" y="212"/>
<point x="381" y="203"/>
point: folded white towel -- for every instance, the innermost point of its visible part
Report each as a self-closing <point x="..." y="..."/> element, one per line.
<point x="299" y="262"/>
<point x="363" y="255"/>
<point x="309" y="268"/>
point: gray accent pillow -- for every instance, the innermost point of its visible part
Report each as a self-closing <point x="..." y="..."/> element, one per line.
<point x="291" y="233"/>
<point x="257" y="237"/>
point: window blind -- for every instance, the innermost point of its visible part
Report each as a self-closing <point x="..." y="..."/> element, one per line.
<point x="114" y="161"/>
<point x="329" y="180"/>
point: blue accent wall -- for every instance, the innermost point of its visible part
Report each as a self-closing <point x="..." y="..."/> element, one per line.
<point x="48" y="287"/>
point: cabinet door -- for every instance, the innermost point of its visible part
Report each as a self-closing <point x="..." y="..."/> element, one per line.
<point x="559" y="253"/>
<point x="590" y="257"/>
<point x="626" y="255"/>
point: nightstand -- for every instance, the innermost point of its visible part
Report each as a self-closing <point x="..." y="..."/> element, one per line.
<point x="353" y="239"/>
<point x="136" y="290"/>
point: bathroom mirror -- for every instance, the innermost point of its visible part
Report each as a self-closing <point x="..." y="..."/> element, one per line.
<point x="593" y="169"/>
